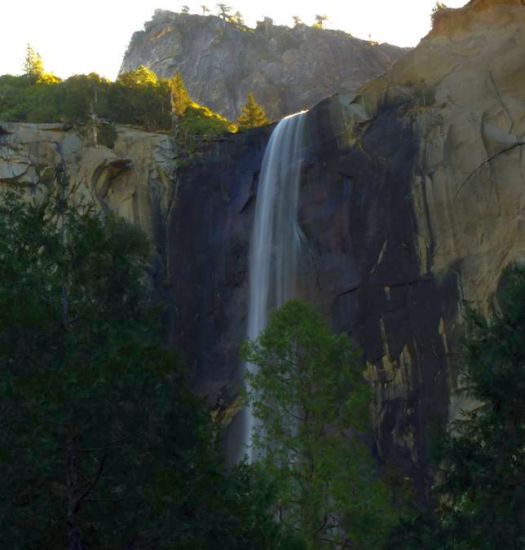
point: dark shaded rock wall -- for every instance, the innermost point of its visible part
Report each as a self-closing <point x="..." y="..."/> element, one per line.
<point x="362" y="266"/>
<point x="208" y="258"/>
<point x="359" y="264"/>
<point x="412" y="204"/>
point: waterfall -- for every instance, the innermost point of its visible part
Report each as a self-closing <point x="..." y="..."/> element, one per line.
<point x="275" y="239"/>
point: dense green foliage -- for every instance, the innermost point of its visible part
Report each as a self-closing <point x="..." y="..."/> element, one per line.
<point x="102" y="444"/>
<point x="311" y="400"/>
<point x="479" y="489"/>
<point x="137" y="97"/>
<point x="252" y="115"/>
<point x="132" y="99"/>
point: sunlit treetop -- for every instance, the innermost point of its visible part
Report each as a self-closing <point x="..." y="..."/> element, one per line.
<point x="180" y="97"/>
<point x="33" y="64"/>
<point x="252" y="115"/>
<point x="34" y="68"/>
<point x="141" y="76"/>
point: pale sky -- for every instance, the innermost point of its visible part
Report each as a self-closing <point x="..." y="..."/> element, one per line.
<point x="75" y="37"/>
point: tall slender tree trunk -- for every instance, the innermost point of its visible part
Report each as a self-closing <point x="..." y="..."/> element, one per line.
<point x="73" y="531"/>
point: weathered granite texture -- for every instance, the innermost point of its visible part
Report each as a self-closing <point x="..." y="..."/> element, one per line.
<point x="133" y="174"/>
<point x="287" y="69"/>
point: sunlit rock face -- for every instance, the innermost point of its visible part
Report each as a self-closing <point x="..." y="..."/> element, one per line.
<point x="130" y="172"/>
<point x="287" y="69"/>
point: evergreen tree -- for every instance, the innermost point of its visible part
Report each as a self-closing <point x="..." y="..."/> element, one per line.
<point x="438" y="9"/>
<point x="252" y="115"/>
<point x="481" y="484"/>
<point x="320" y="21"/>
<point x="180" y="97"/>
<point x="480" y="492"/>
<point x="224" y="11"/>
<point x="237" y="20"/>
<point x="312" y="403"/>
<point x="141" y="76"/>
<point x="33" y="64"/>
<point x="84" y="97"/>
<point x="138" y="97"/>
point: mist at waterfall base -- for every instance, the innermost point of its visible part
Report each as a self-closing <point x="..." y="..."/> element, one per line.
<point x="275" y="240"/>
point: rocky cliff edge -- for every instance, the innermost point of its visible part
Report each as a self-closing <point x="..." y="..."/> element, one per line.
<point x="288" y="69"/>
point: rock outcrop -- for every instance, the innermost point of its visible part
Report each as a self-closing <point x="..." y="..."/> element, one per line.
<point x="133" y="174"/>
<point x="287" y="69"/>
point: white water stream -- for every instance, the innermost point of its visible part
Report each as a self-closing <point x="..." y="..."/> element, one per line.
<point x="276" y="236"/>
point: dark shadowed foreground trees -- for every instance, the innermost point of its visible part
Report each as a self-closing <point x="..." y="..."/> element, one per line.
<point x="101" y="443"/>
<point x="480" y="490"/>
<point x="312" y="402"/>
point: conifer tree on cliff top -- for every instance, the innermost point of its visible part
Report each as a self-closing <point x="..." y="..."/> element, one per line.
<point x="180" y="97"/>
<point x="33" y="64"/>
<point x="252" y="115"/>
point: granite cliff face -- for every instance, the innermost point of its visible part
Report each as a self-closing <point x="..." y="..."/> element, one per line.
<point x="287" y="69"/>
<point x="133" y="174"/>
<point x="412" y="204"/>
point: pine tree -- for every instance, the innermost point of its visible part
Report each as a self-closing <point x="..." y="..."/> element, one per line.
<point x="484" y="460"/>
<point x="33" y="64"/>
<point x="140" y="77"/>
<point x="320" y="21"/>
<point x="180" y="97"/>
<point x="224" y="11"/>
<point x="252" y="115"/>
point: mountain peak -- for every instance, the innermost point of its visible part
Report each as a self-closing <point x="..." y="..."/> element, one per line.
<point x="287" y="69"/>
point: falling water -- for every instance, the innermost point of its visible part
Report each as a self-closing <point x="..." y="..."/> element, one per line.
<point x="275" y="238"/>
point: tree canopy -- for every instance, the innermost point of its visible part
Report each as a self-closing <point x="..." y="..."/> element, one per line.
<point x="320" y="21"/>
<point x="138" y="97"/>
<point x="312" y="403"/>
<point x="102" y="443"/>
<point x="252" y="115"/>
